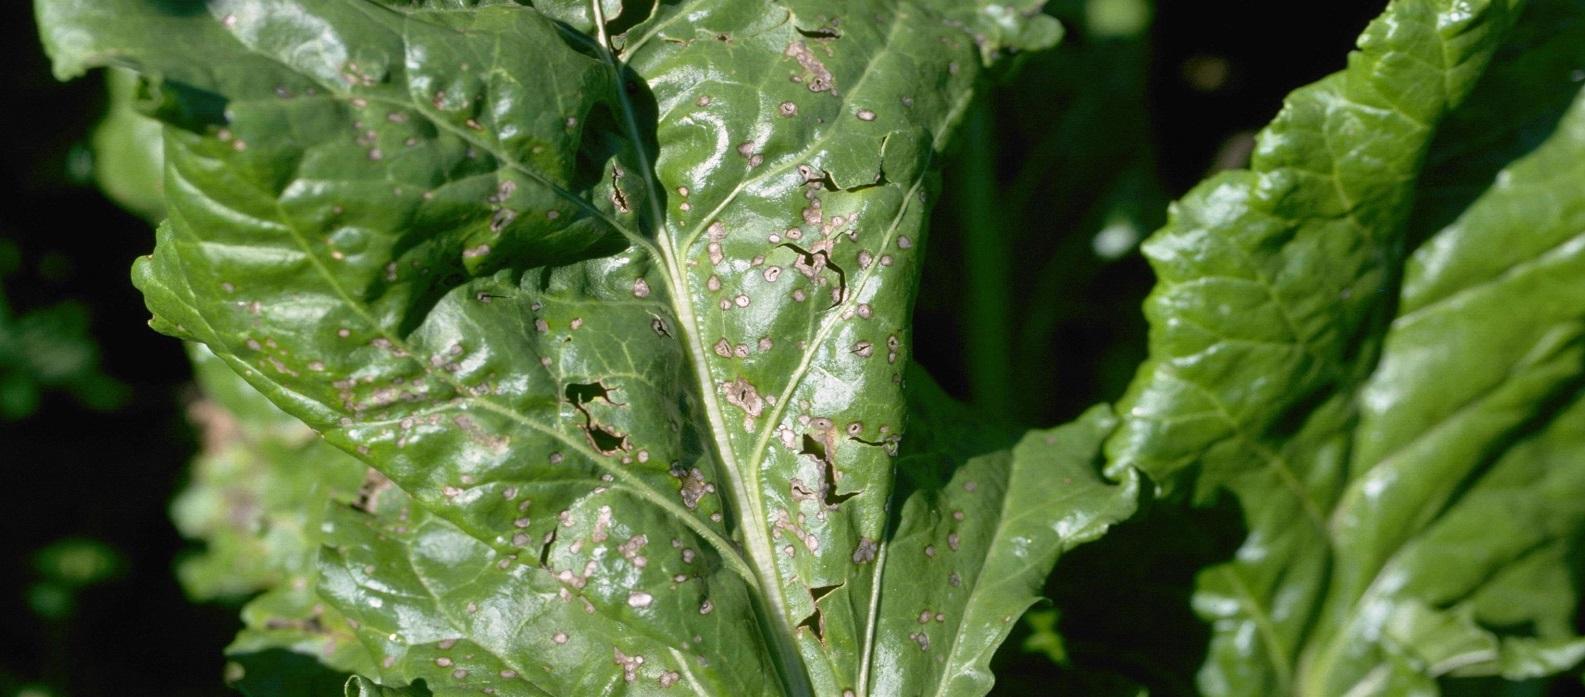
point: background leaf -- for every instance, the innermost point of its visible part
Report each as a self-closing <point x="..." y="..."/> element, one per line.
<point x="1370" y="456"/>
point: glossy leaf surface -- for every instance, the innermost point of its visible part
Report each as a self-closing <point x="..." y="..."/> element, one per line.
<point x="624" y="320"/>
<point x="1374" y="340"/>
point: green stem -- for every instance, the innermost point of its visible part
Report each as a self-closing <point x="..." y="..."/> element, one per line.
<point x="987" y="316"/>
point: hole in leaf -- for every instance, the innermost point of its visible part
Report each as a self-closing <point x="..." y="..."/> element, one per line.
<point x="374" y="483"/>
<point x="813" y="447"/>
<point x="581" y="393"/>
<point x="829" y="31"/>
<point x="819" y="260"/>
<point x="815" y="622"/>
<point x="544" y="551"/>
<point x="832" y="497"/>
<point x="605" y="441"/>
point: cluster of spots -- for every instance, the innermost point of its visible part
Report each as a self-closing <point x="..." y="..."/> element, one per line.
<point x="360" y="75"/>
<point x="815" y="75"/>
<point x="477" y="434"/>
<point x="584" y="562"/>
<point x="692" y="486"/>
<point x="501" y="215"/>
<point x="750" y="152"/>
<point x="782" y="523"/>
<point x="628" y="664"/>
<point x="225" y="135"/>
<point x="928" y="617"/>
<point x="272" y="353"/>
<point x="367" y="396"/>
<point x="813" y="260"/>
<point x="866" y="550"/>
<point x="742" y="394"/>
<point x="460" y="668"/>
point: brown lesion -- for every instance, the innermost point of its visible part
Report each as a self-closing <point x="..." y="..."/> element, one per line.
<point x="815" y="260"/>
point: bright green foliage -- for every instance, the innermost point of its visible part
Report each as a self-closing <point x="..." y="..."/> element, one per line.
<point x="1376" y="340"/>
<point x="128" y="151"/>
<point x="623" y="320"/>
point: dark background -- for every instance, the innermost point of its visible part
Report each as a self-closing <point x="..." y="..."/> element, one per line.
<point x="1098" y="133"/>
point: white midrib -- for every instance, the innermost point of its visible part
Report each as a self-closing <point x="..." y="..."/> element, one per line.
<point x="743" y="488"/>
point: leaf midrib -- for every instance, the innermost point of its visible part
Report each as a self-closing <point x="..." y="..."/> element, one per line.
<point x="751" y="517"/>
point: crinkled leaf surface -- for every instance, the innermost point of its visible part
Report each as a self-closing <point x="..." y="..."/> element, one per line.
<point x="1404" y="429"/>
<point x="623" y="318"/>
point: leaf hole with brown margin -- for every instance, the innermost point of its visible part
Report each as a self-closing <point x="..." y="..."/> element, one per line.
<point x="544" y="550"/>
<point x="817" y="450"/>
<point x="603" y="439"/>
<point x="809" y="258"/>
<point x="815" y="622"/>
<point x="829" y="31"/>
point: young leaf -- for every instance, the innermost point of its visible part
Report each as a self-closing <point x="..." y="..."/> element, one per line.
<point x="978" y="534"/>
<point x="1404" y="432"/>
<point x="127" y="147"/>
<point x="623" y="317"/>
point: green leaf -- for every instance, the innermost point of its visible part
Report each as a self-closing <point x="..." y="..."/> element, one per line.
<point x="624" y="319"/>
<point x="1245" y="325"/>
<point x="279" y="673"/>
<point x="973" y="550"/>
<point x="128" y="155"/>
<point x="1376" y="341"/>
<point x="363" y="687"/>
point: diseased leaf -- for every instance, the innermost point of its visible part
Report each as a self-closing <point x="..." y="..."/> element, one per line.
<point x="623" y="318"/>
<point x="259" y="494"/>
<point x="1404" y="431"/>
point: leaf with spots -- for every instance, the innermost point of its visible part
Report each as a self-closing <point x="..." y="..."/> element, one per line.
<point x="979" y="531"/>
<point x="1375" y="340"/>
<point x="617" y="299"/>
